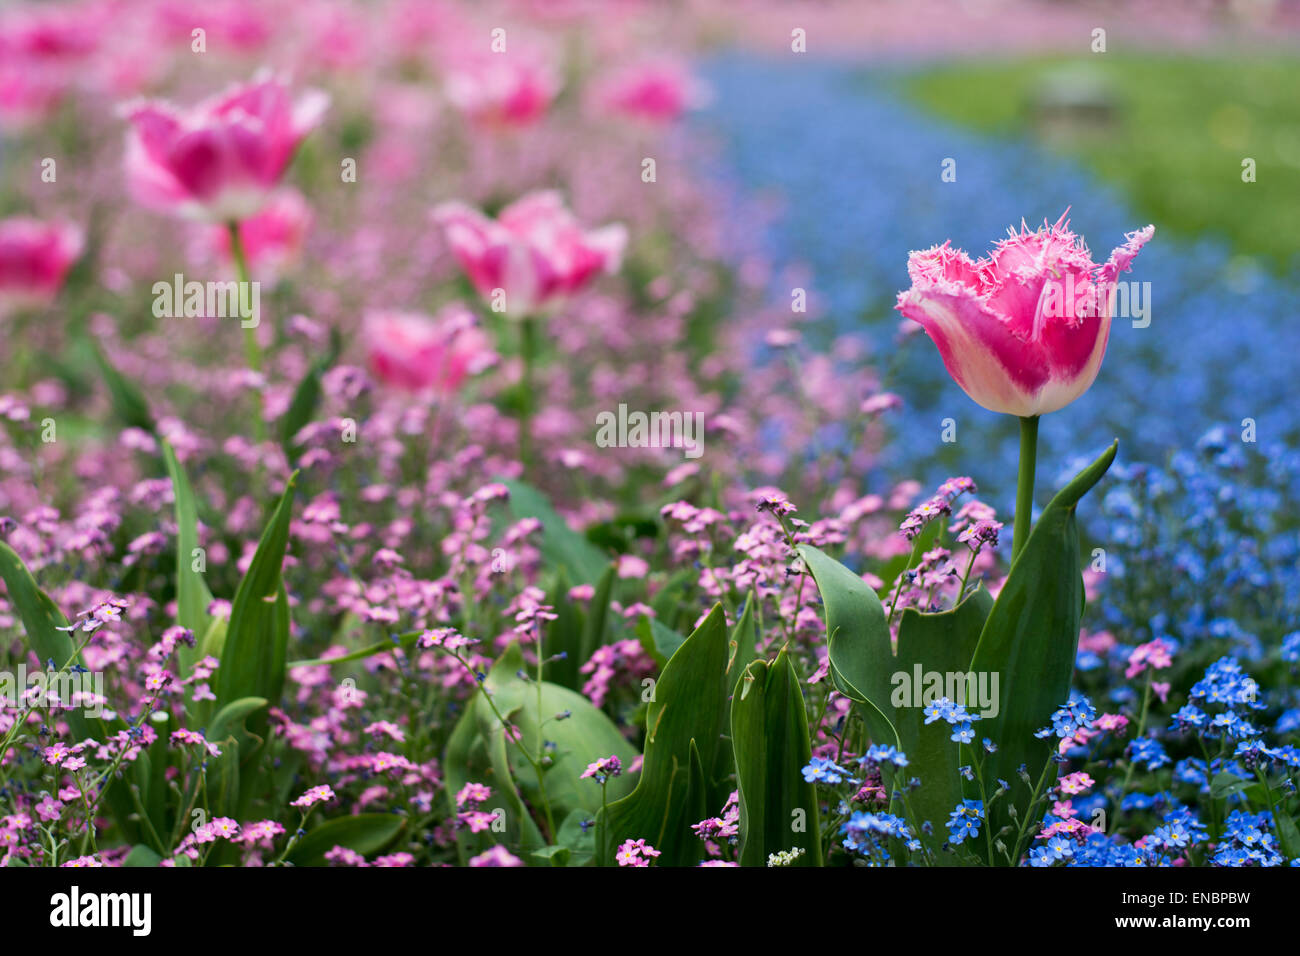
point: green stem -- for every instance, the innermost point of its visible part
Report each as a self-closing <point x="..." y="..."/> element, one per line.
<point x="1128" y="772"/>
<point x="252" y="350"/>
<point x="966" y="577"/>
<point x="898" y="582"/>
<point x="1025" y="484"/>
<point x="1029" y="816"/>
<point x="528" y="352"/>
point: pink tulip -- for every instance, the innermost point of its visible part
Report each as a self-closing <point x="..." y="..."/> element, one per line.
<point x="34" y="259"/>
<point x="241" y="25"/>
<point x="1024" y="331"/>
<point x="417" y="353"/>
<point x="27" y="97"/>
<point x="219" y="160"/>
<point x="43" y="53"/>
<point x="502" y="89"/>
<point x="54" y="33"/>
<point x="656" y="92"/>
<point x="535" y="251"/>
<point x="273" y="238"/>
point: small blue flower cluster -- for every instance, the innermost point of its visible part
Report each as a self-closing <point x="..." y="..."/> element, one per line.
<point x="964" y="822"/>
<point x="1248" y="842"/>
<point x="953" y="714"/>
<point x="1076" y="714"/>
<point x="822" y="770"/>
<point x="1211" y="544"/>
<point x="868" y="834"/>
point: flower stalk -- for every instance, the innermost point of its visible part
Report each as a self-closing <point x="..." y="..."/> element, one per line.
<point x="252" y="350"/>
<point x="1025" y="484"/>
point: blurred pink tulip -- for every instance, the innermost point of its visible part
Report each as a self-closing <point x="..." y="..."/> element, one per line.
<point x="417" y="353"/>
<point x="34" y="260"/>
<point x="43" y="54"/>
<point x="535" y="251"/>
<point x="219" y="160"/>
<point x="245" y="26"/>
<point x="657" y="91"/>
<point x="26" y="96"/>
<point x="273" y="238"/>
<point x="49" y="33"/>
<point x="1024" y="331"/>
<point x="502" y="89"/>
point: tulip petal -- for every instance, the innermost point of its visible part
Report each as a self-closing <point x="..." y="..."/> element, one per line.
<point x="994" y="366"/>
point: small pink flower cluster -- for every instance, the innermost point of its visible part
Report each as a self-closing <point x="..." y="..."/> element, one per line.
<point x="635" y="853"/>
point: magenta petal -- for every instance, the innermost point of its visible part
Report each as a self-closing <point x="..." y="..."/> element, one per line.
<point x="995" y="367"/>
<point x="200" y="162"/>
<point x="1122" y="256"/>
<point x="155" y="128"/>
<point x="944" y="264"/>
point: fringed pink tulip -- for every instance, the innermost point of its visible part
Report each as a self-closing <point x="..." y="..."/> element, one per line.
<point x="1024" y="331"/>
<point x="219" y="160"/>
<point x="417" y="353"/>
<point x="535" y="251"/>
<point x="34" y="259"/>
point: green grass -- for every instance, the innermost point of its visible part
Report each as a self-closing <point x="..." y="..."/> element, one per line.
<point x="1180" y="127"/>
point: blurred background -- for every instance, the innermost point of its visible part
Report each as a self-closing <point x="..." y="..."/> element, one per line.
<point x="1123" y="113"/>
<point x="819" y="130"/>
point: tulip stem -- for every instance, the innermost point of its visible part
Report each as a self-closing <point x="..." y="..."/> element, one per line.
<point x="252" y="350"/>
<point x="1025" y="484"/>
<point x="528" y="352"/>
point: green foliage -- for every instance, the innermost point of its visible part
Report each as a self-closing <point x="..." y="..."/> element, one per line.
<point x="942" y="643"/>
<point x="256" y="644"/>
<point x="192" y="594"/>
<point x="769" y="733"/>
<point x="128" y="402"/>
<point x="860" y="654"/>
<point x="366" y="833"/>
<point x="479" y="752"/>
<point x="561" y="546"/>
<point x="657" y="639"/>
<point x="306" y="399"/>
<point x="1030" y="640"/>
<point x="257" y="637"/>
<point x="688" y="715"/>
<point x="43" y="623"/>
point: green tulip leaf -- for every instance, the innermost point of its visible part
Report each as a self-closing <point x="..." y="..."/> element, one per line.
<point x="769" y="733"/>
<point x="934" y="644"/>
<point x="192" y="594"/>
<point x="860" y="653"/>
<point x="689" y="708"/>
<point x="364" y="833"/>
<point x="561" y="546"/>
<point x="1029" y="641"/>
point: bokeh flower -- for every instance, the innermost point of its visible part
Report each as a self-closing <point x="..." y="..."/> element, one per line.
<point x="219" y="160"/>
<point x="535" y="251"/>
<point x="415" y="352"/>
<point x="35" y="257"/>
